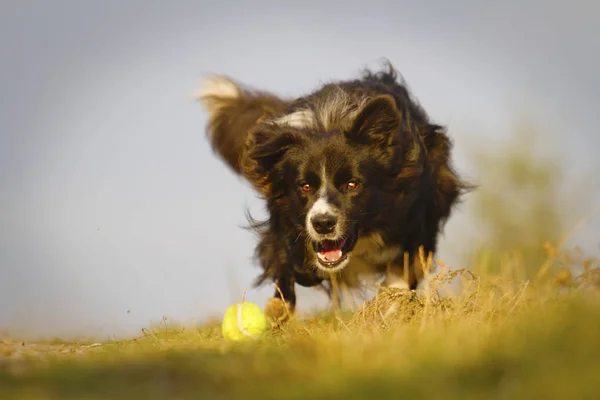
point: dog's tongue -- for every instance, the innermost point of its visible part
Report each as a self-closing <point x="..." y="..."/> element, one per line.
<point x="332" y="251"/>
<point x="332" y="255"/>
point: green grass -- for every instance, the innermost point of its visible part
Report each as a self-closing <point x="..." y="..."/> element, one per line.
<point x="498" y="338"/>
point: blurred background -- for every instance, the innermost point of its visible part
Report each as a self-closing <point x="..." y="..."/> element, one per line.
<point x="114" y="211"/>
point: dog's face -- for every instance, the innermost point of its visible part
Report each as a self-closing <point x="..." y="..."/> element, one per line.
<point x="328" y="197"/>
<point x="326" y="182"/>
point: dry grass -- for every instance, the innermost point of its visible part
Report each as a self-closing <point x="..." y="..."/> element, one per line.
<point x="525" y="325"/>
<point x="497" y="338"/>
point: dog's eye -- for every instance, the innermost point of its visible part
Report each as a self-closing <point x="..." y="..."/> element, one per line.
<point x="306" y="187"/>
<point x="352" y="185"/>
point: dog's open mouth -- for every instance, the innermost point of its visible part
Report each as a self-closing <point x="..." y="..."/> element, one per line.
<point x="330" y="253"/>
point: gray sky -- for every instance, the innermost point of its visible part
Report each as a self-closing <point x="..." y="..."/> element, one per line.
<point x="110" y="199"/>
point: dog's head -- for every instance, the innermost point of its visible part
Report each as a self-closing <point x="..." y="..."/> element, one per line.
<point x="321" y="168"/>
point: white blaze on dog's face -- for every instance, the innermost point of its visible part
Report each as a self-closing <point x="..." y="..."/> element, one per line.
<point x="329" y="186"/>
<point x="325" y="224"/>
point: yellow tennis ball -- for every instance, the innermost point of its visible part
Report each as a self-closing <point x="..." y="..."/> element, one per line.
<point x="243" y="321"/>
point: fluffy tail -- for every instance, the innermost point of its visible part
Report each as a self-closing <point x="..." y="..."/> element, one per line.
<point x="233" y="111"/>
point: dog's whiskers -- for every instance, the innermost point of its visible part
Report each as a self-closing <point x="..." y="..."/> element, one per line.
<point x="300" y="234"/>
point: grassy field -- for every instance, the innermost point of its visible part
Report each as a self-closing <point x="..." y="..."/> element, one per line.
<point x="499" y="337"/>
<point x="525" y="324"/>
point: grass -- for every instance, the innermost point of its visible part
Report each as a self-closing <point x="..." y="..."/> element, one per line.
<point x="525" y="326"/>
<point x="497" y="338"/>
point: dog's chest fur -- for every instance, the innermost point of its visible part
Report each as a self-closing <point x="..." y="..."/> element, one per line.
<point x="373" y="250"/>
<point x="370" y="257"/>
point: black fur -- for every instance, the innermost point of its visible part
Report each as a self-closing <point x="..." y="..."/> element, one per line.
<point x="370" y="132"/>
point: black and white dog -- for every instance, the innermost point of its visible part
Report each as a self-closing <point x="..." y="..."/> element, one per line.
<point x="355" y="177"/>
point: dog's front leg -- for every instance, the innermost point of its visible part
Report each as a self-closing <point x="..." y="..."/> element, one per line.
<point x="407" y="270"/>
<point x="276" y="258"/>
<point x="281" y="306"/>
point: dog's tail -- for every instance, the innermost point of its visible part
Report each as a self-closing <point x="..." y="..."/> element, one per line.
<point x="232" y="112"/>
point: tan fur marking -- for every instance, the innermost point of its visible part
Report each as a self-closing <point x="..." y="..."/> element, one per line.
<point x="368" y="256"/>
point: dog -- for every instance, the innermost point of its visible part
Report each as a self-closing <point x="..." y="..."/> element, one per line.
<point x="355" y="177"/>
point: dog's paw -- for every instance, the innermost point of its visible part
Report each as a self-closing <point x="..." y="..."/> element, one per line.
<point x="278" y="311"/>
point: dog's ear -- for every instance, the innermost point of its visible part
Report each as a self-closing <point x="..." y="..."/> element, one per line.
<point x="265" y="147"/>
<point x="377" y="122"/>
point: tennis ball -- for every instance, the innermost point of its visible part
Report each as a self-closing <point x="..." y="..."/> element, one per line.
<point x="243" y="321"/>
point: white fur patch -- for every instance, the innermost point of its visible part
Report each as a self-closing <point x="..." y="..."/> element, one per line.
<point x="338" y="109"/>
<point x="394" y="277"/>
<point x="334" y="110"/>
<point x="392" y="280"/>
<point x="321" y="206"/>
<point x="298" y="119"/>
<point x="214" y="89"/>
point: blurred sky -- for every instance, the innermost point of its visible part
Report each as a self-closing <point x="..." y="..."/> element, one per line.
<point x="113" y="210"/>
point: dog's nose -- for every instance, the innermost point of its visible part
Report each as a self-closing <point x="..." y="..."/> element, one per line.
<point x="324" y="223"/>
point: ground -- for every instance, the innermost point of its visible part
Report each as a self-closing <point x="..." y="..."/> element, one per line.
<point x="497" y="338"/>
